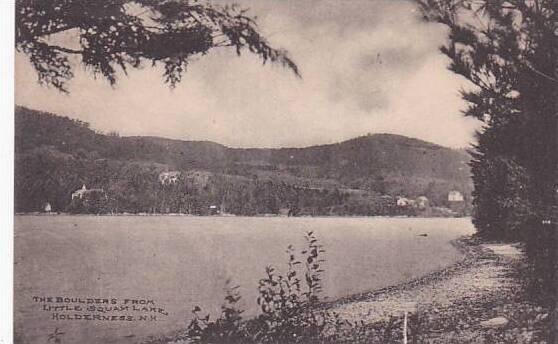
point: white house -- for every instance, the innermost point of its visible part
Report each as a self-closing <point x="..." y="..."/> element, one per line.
<point x="84" y="191"/>
<point x="402" y="201"/>
<point x="455" y="196"/>
<point x="79" y="193"/>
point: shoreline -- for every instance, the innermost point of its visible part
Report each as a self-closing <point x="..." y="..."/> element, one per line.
<point x="471" y="252"/>
<point x="38" y="214"/>
<point x="477" y="299"/>
<point x="480" y="299"/>
<point x="463" y="244"/>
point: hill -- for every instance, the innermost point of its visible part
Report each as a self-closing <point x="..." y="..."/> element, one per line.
<point x="59" y="154"/>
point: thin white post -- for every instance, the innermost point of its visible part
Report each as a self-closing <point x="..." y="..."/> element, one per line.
<point x="405" y="328"/>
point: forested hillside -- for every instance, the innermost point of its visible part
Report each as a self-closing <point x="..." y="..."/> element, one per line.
<point x="56" y="155"/>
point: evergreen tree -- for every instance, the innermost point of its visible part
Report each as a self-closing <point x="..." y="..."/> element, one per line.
<point x="508" y="49"/>
<point x="125" y="34"/>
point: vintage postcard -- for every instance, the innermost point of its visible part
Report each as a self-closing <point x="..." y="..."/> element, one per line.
<point x="281" y="171"/>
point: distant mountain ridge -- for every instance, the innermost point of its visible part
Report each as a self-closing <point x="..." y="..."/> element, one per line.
<point x="366" y="154"/>
<point x="379" y="163"/>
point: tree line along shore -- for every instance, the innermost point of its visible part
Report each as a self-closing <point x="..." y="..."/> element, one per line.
<point x="62" y="165"/>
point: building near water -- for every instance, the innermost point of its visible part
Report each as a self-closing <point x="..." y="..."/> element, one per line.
<point x="455" y="196"/>
<point x="84" y="192"/>
<point x="402" y="201"/>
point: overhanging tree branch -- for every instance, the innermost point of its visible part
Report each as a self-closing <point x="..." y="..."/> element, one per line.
<point x="111" y="37"/>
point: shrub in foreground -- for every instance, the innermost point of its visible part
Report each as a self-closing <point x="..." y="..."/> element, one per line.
<point x="290" y="312"/>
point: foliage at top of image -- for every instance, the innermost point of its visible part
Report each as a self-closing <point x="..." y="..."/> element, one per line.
<point x="129" y="33"/>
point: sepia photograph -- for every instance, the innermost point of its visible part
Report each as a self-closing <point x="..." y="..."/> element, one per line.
<point x="283" y="171"/>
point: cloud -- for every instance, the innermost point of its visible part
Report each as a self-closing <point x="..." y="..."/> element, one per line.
<point x="367" y="66"/>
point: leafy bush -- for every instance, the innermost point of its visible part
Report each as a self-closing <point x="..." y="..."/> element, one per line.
<point x="290" y="311"/>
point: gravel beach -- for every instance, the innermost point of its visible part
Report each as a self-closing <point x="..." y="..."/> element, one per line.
<point x="477" y="300"/>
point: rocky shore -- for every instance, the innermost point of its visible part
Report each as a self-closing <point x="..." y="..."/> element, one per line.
<point x="480" y="299"/>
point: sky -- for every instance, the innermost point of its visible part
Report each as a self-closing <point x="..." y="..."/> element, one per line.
<point x="368" y="66"/>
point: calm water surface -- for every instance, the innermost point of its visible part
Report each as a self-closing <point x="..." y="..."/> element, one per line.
<point x="181" y="262"/>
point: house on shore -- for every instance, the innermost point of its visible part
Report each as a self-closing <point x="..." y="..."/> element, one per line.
<point x="89" y="201"/>
<point x="455" y="196"/>
<point x="78" y="194"/>
<point x="457" y="202"/>
<point x="85" y="192"/>
<point x="403" y="201"/>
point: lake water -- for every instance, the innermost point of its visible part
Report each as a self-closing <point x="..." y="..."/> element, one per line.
<point x="180" y="262"/>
